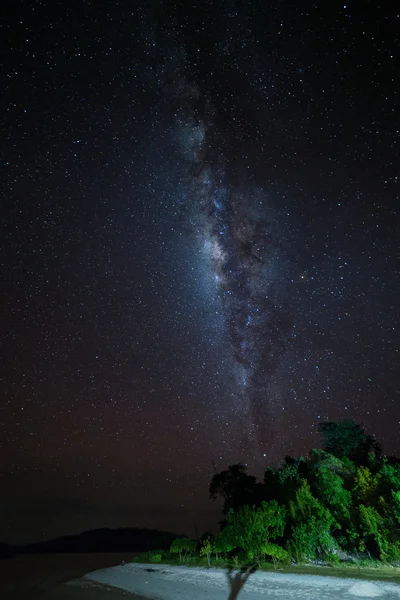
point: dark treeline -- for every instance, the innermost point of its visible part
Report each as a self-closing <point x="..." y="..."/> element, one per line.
<point x="126" y="539"/>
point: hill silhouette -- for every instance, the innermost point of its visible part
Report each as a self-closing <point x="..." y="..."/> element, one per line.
<point x="126" y="539"/>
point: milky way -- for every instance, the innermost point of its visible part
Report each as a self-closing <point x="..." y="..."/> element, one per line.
<point x="229" y="218"/>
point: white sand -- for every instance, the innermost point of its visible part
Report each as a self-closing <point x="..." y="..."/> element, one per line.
<point x="164" y="582"/>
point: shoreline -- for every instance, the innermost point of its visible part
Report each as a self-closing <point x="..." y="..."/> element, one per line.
<point x="195" y="583"/>
<point x="114" y="577"/>
<point x="78" y="589"/>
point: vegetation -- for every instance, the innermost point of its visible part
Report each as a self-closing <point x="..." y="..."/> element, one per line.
<point x="183" y="546"/>
<point x="250" y="530"/>
<point x="340" y="507"/>
<point x="342" y="500"/>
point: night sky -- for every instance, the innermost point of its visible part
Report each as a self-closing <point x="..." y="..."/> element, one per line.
<point x="199" y="259"/>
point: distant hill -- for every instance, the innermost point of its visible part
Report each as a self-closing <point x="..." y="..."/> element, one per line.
<point x="6" y="551"/>
<point x="98" y="540"/>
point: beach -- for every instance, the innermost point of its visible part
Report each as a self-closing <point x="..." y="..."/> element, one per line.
<point x="111" y="577"/>
<point x="166" y="582"/>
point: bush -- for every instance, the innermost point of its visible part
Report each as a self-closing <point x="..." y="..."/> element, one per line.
<point x="310" y="539"/>
<point x="235" y="561"/>
<point x="155" y="558"/>
<point x="183" y="546"/>
<point x="250" y="528"/>
<point x="206" y="549"/>
<point x="277" y="553"/>
<point x="333" y="560"/>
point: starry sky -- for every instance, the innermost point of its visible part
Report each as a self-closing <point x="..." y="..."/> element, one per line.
<point x="199" y="260"/>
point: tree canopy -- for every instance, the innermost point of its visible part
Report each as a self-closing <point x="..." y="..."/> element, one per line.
<point x="346" y="438"/>
<point x="342" y="497"/>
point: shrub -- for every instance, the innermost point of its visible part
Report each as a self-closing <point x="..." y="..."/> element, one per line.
<point x="249" y="528"/>
<point x="155" y="558"/>
<point x="206" y="549"/>
<point x="235" y="561"/>
<point x="277" y="553"/>
<point x="333" y="560"/>
<point x="183" y="547"/>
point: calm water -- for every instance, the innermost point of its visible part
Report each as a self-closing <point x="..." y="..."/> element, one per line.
<point x="31" y="577"/>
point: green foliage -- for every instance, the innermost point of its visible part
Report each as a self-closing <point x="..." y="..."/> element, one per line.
<point x="152" y="556"/>
<point x="183" y="547"/>
<point x="365" y="485"/>
<point x="307" y="505"/>
<point x="276" y="552"/>
<point x="218" y="546"/>
<point x="235" y="561"/>
<point x="347" y="438"/>
<point x="289" y="472"/>
<point x="155" y="558"/>
<point x="372" y="527"/>
<point x="328" y="479"/>
<point x="206" y="549"/>
<point x="343" y="496"/>
<point x="396" y="505"/>
<point x="332" y="559"/>
<point x="389" y="478"/>
<point x="303" y="541"/>
<point x="311" y="531"/>
<point x="311" y="538"/>
<point x="250" y="529"/>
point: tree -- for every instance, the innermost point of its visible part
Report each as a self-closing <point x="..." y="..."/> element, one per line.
<point x="374" y="533"/>
<point x="251" y="529"/>
<point x="389" y="477"/>
<point x="312" y="523"/>
<point x="206" y="548"/>
<point x="344" y="495"/>
<point x="182" y="546"/>
<point x="235" y="486"/>
<point x="347" y="438"/>
<point x="293" y="469"/>
<point x="396" y="505"/>
<point x="282" y="484"/>
<point x="276" y="552"/>
<point x="327" y="477"/>
<point x="365" y="486"/>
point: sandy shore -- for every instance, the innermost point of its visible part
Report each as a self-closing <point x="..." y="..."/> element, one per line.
<point x="77" y="591"/>
<point x="166" y="582"/>
<point x="104" y="577"/>
<point x="33" y="577"/>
